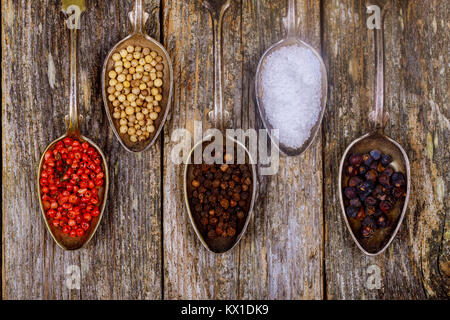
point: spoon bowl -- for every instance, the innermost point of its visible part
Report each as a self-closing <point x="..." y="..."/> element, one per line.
<point x="138" y="19"/>
<point x="63" y="240"/>
<point x="218" y="245"/>
<point x="290" y="40"/>
<point x="400" y="163"/>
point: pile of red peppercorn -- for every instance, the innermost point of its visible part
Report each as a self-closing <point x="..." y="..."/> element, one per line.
<point x="220" y="196"/>
<point x="70" y="183"/>
<point x="372" y="190"/>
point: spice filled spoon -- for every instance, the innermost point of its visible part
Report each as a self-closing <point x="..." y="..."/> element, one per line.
<point x="218" y="218"/>
<point x="73" y="176"/>
<point x="295" y="103"/>
<point x="374" y="174"/>
<point x="137" y="82"/>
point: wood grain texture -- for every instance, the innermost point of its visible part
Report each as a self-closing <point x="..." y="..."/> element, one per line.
<point x="191" y="272"/>
<point x="296" y="245"/>
<point x="123" y="260"/>
<point x="415" y="266"/>
<point x="280" y="257"/>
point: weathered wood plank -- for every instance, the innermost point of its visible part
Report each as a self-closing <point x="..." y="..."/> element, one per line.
<point x="285" y="234"/>
<point x="123" y="260"/>
<point x="190" y="272"/>
<point x="281" y="255"/>
<point x="416" y="264"/>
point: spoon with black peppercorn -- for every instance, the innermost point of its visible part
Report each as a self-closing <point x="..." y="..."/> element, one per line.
<point x="374" y="171"/>
<point x="92" y="156"/>
<point x="219" y="195"/>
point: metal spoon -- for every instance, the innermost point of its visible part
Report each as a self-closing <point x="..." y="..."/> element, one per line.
<point x="290" y="23"/>
<point x="217" y="10"/>
<point x="138" y="37"/>
<point x="377" y="140"/>
<point x="73" y="130"/>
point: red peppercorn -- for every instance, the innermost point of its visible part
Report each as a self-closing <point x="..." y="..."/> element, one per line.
<point x="70" y="179"/>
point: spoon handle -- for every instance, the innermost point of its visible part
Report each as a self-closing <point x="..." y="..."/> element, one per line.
<point x="138" y="17"/>
<point x="217" y="10"/>
<point x="379" y="117"/>
<point x="290" y="21"/>
<point x="73" y="10"/>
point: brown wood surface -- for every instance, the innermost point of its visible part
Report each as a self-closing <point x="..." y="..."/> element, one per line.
<point x="416" y="265"/>
<point x="296" y="246"/>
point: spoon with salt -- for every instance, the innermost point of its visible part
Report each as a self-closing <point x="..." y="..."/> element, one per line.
<point x="377" y="140"/>
<point x="308" y="131"/>
<point x="75" y="7"/>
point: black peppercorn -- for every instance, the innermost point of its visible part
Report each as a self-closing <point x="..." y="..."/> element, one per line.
<point x="367" y="159"/>
<point x="385" y="206"/>
<point x="386" y="159"/>
<point x="351" y="171"/>
<point x="371" y="175"/>
<point x="360" y="216"/>
<point x="367" y="231"/>
<point x="398" y="192"/>
<point x="350" y="193"/>
<point x="355" y="203"/>
<point x="382" y="221"/>
<point x="370" y="210"/>
<point x="384" y="179"/>
<point x="362" y="169"/>
<point x="389" y="171"/>
<point x="365" y="187"/>
<point x="370" y="201"/>
<point x="354" y="181"/>
<point x="351" y="212"/>
<point x="355" y="159"/>
<point x="375" y="154"/>
<point x="374" y="165"/>
<point x="398" y="180"/>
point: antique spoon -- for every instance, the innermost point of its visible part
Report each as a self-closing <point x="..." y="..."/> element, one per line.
<point x="377" y="140"/>
<point x="138" y="37"/>
<point x="217" y="9"/>
<point x="73" y="130"/>
<point x="290" y="23"/>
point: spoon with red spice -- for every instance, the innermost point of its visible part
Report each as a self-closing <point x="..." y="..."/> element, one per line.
<point x="370" y="147"/>
<point x="72" y="177"/>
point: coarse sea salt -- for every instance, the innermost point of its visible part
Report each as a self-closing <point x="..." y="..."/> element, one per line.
<point x="291" y="93"/>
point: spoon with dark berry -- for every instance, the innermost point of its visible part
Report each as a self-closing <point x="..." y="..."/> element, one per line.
<point x="374" y="175"/>
<point x="72" y="177"/>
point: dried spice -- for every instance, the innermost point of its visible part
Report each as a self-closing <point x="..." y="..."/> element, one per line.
<point x="372" y="190"/>
<point x="220" y="197"/>
<point x="70" y="182"/>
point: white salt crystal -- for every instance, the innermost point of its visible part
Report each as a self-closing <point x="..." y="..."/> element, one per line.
<point x="291" y="83"/>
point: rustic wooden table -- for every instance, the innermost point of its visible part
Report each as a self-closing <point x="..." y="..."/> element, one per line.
<point x="297" y="245"/>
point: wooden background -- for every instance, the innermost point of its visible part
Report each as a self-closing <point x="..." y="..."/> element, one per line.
<point x="296" y="246"/>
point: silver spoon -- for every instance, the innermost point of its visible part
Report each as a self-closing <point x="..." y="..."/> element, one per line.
<point x="138" y="37"/>
<point x="290" y="23"/>
<point x="73" y="130"/>
<point x="217" y="9"/>
<point x="376" y="139"/>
